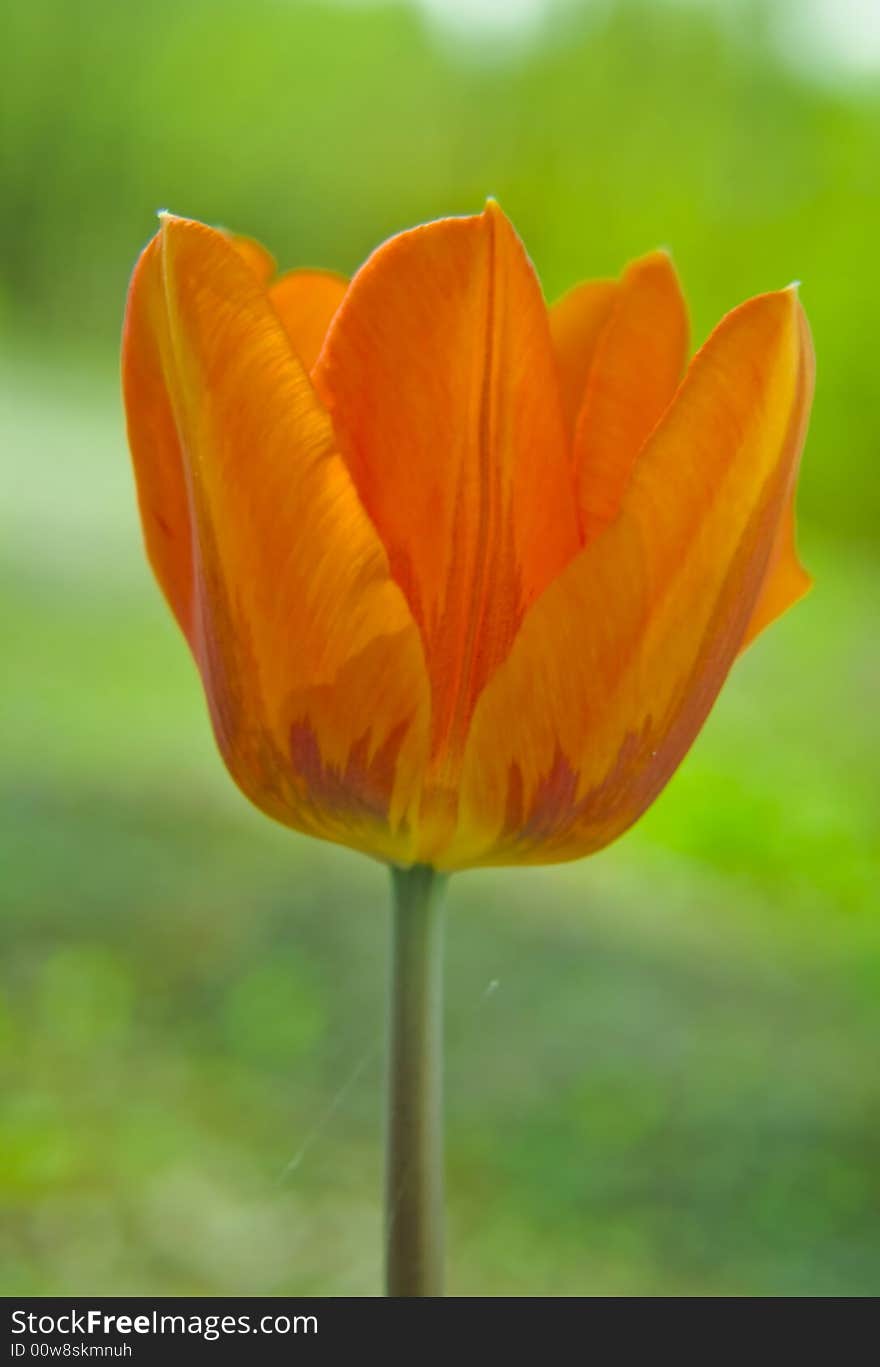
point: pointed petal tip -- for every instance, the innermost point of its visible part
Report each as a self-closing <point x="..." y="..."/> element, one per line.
<point x="493" y="210"/>
<point x="781" y="305"/>
<point x="170" y="223"/>
<point x="165" y="220"/>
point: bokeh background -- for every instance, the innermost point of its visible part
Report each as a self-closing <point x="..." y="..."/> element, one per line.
<point x="663" y="1062"/>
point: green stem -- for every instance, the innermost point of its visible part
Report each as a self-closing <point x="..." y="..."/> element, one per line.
<point x="414" y="1167"/>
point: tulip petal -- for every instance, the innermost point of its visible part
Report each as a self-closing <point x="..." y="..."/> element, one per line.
<point x="154" y="441"/>
<point x="310" y="658"/>
<point x="260" y="261"/>
<point x="786" y="580"/>
<point x="617" y="665"/>
<point x="306" y="301"/>
<point x="576" y="324"/>
<point x="440" y="377"/>
<point x="638" y="364"/>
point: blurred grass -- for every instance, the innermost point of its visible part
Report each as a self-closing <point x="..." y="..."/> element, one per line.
<point x="662" y="1062"/>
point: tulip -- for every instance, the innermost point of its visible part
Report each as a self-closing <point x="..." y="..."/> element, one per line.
<point x="462" y="575"/>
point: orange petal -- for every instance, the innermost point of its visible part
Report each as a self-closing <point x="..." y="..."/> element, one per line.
<point x="311" y="661"/>
<point x="637" y="366"/>
<point x="786" y="580"/>
<point x="154" y="441"/>
<point x="440" y="377"/>
<point x="260" y="261"/>
<point x="617" y="665"/>
<point x="576" y="323"/>
<point x="306" y="301"/>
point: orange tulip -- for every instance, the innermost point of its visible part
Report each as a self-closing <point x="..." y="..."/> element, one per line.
<point x="462" y="575"/>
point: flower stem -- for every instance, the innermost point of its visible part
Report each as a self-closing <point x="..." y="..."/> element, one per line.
<point x="414" y="1159"/>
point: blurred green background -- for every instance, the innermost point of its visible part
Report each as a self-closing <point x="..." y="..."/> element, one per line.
<point x="663" y="1062"/>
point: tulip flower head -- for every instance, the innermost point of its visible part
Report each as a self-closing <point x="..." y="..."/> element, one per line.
<point x="462" y="575"/>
